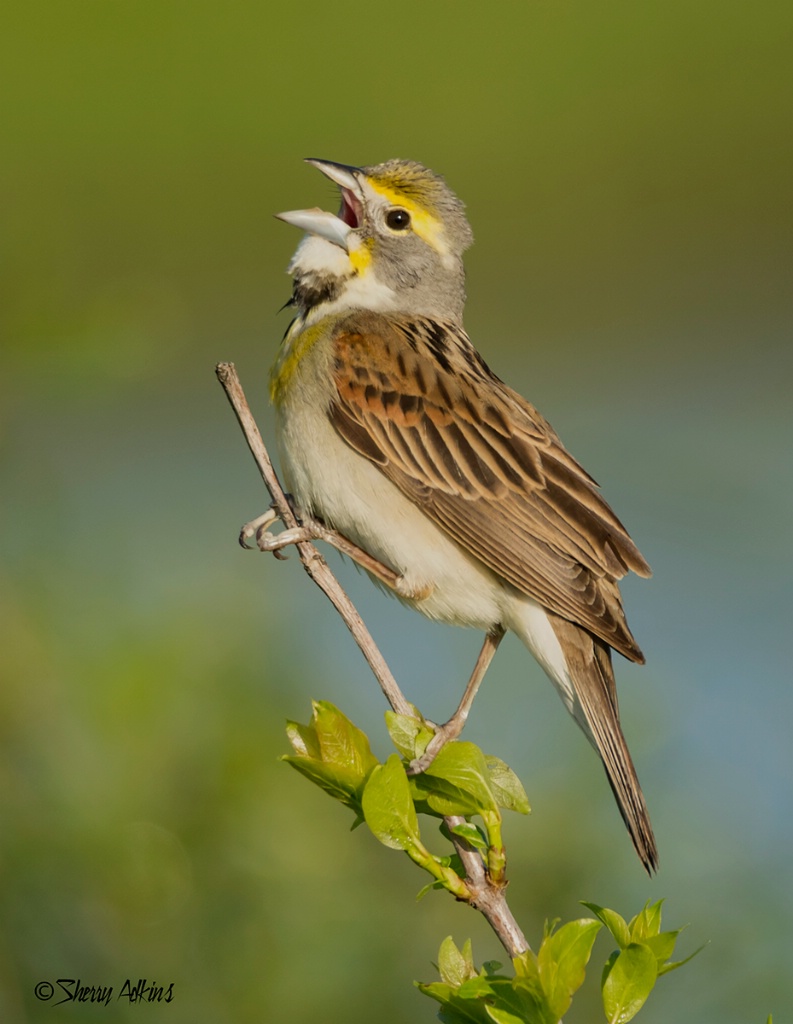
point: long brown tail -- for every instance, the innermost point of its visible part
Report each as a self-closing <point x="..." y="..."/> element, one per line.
<point x="589" y="662"/>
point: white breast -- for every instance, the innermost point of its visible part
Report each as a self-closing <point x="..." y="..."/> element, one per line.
<point x="328" y="477"/>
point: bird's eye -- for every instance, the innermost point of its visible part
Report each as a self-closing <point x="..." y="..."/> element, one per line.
<point x="398" y="219"/>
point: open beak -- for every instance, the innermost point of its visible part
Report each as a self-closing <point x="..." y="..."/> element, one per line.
<point x="334" y="228"/>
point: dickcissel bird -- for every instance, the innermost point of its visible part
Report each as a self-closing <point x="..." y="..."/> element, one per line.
<point x="394" y="432"/>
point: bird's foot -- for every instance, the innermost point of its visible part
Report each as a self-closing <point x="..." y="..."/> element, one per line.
<point x="266" y="541"/>
<point x="311" y="529"/>
<point x="255" y="526"/>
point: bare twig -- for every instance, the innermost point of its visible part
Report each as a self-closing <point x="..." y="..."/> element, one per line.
<point x="313" y="562"/>
<point x="486" y="896"/>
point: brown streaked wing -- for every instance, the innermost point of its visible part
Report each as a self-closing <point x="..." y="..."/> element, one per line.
<point x="484" y="465"/>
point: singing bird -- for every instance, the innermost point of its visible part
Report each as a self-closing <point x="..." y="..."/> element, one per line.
<point x="394" y="432"/>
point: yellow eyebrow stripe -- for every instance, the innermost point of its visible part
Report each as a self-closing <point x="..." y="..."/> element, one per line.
<point x="427" y="227"/>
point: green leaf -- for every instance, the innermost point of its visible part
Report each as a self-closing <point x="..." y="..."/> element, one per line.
<point x="454" y="1010"/>
<point x="667" y="967"/>
<point x="525" y="965"/>
<point x="340" y="783"/>
<point x="607" y="967"/>
<point x="487" y="997"/>
<point x="388" y="807"/>
<point x="615" y="923"/>
<point x="471" y="834"/>
<point x="562" y="960"/>
<point x="441" y="798"/>
<point x="663" y="946"/>
<point x="463" y="764"/>
<point x="303" y="739"/>
<point x="478" y="987"/>
<point x="528" y="1002"/>
<point x="647" y="922"/>
<point x="457" y="782"/>
<point x="428" y="888"/>
<point x="409" y="735"/>
<point x="629" y="983"/>
<point x="455" y="966"/>
<point x="455" y="863"/>
<point x="342" y="743"/>
<point x="502" y="1016"/>
<point x="506" y="786"/>
<point x="332" y="752"/>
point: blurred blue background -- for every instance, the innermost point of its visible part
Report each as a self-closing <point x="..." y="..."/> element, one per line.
<point x="627" y="172"/>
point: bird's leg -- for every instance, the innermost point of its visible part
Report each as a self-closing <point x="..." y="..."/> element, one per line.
<point x="451" y="730"/>
<point x="314" y="529"/>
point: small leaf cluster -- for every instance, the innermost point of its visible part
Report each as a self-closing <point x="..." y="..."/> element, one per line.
<point x="540" y="992"/>
<point x="461" y="783"/>
<point x="644" y="954"/>
<point x="542" y="988"/>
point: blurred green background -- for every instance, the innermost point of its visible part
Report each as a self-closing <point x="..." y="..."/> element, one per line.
<point x="627" y="169"/>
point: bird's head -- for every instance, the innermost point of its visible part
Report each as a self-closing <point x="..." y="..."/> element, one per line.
<point x="396" y="243"/>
